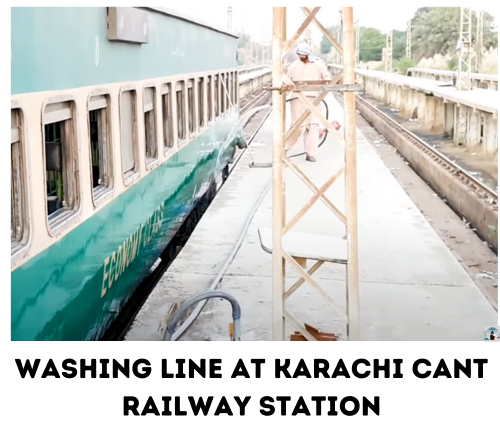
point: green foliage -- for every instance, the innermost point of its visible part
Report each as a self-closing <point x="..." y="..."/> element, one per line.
<point x="243" y="41"/>
<point x="403" y="65"/>
<point x="435" y="30"/>
<point x="326" y="45"/>
<point x="398" y="44"/>
<point x="371" y="43"/>
<point x="452" y="63"/>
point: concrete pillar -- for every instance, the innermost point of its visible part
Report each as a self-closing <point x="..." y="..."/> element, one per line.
<point x="473" y="129"/>
<point x="449" y="118"/>
<point x="490" y="137"/>
<point x="412" y="103"/>
<point x="399" y="98"/>
<point x="420" y="101"/>
<point x="461" y="124"/>
<point x="391" y="89"/>
<point x="430" y="111"/>
<point x="438" y="125"/>
<point x="404" y="103"/>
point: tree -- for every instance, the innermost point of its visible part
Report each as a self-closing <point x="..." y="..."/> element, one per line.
<point x="371" y="43"/>
<point x="243" y="41"/>
<point x="398" y="44"/>
<point x="326" y="45"/>
<point x="435" y="30"/>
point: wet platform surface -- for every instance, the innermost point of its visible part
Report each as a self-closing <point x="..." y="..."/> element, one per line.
<point x="411" y="285"/>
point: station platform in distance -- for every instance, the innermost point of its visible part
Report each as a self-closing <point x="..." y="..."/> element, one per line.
<point x="481" y="99"/>
<point x="254" y="74"/>
<point x="411" y="286"/>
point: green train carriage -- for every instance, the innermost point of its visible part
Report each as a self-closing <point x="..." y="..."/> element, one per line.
<point x="121" y="118"/>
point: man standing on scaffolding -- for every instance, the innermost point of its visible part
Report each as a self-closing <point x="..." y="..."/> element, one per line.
<point x="307" y="68"/>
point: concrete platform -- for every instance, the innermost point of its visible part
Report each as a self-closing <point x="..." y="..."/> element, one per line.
<point x="478" y="80"/>
<point x="481" y="99"/>
<point x="411" y="286"/>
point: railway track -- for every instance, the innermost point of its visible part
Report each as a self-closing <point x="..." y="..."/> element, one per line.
<point x="467" y="196"/>
<point x="253" y="100"/>
<point x="120" y="326"/>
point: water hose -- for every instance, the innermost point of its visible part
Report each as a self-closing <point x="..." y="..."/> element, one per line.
<point x="199" y="307"/>
<point x="174" y="336"/>
<point x="253" y="164"/>
<point x="236" y="335"/>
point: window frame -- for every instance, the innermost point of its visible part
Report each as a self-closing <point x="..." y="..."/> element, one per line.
<point x="191" y="106"/>
<point x="107" y="192"/>
<point x="61" y="220"/>
<point x="201" y="98"/>
<point x="151" y="163"/>
<point x="166" y="91"/>
<point x="19" y="248"/>
<point x="130" y="177"/>
<point x="181" y="141"/>
<point x="224" y="84"/>
<point x="210" y="99"/>
<point x="216" y="92"/>
<point x="236" y="89"/>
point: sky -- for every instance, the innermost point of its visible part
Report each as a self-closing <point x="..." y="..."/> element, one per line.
<point x="255" y="19"/>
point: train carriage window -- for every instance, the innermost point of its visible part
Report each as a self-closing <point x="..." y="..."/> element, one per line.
<point x="231" y="90"/>
<point x="100" y="144"/>
<point x="59" y="138"/>
<point x="128" y="129"/>
<point x="168" y="135"/>
<point x="216" y="96"/>
<point x="226" y="91"/>
<point x="221" y="92"/>
<point x="201" y="102"/>
<point x="235" y="88"/>
<point x="191" y="107"/>
<point x="210" y="105"/>
<point x="229" y="94"/>
<point x="223" y="87"/>
<point x="151" y="140"/>
<point x="181" y="111"/>
<point x="18" y="223"/>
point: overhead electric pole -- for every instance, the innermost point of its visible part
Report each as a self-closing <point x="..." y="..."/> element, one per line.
<point x="464" y="50"/>
<point x="408" y="40"/>
<point x="479" y="40"/>
<point x="230" y="18"/>
<point x="388" y="52"/>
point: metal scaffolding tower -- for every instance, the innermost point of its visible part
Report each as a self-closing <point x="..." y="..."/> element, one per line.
<point x="479" y="40"/>
<point x="408" y="40"/>
<point x="388" y="52"/>
<point x="464" y="50"/>
<point x="356" y="49"/>
<point x="292" y="247"/>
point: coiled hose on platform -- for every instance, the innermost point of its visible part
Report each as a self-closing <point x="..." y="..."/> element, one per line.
<point x="200" y="305"/>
